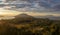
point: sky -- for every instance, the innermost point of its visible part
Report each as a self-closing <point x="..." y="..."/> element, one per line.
<point x="41" y="5"/>
<point x="44" y="6"/>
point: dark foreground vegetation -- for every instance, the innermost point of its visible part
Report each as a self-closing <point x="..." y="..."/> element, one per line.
<point x="29" y="26"/>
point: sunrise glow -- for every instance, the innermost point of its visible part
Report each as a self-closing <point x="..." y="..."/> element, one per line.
<point x="13" y="13"/>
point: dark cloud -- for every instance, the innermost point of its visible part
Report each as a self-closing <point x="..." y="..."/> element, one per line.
<point x="53" y="5"/>
<point x="56" y="8"/>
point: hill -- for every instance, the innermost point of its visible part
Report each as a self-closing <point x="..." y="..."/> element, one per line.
<point x="23" y="16"/>
<point x="24" y="24"/>
<point x="51" y="17"/>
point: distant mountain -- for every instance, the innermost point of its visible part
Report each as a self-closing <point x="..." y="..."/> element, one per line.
<point x="28" y="17"/>
<point x="24" y="17"/>
<point x="49" y="17"/>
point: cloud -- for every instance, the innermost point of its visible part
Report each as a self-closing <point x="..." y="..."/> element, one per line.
<point x="39" y="5"/>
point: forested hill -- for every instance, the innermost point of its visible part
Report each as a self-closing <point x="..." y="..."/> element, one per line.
<point x="28" y="25"/>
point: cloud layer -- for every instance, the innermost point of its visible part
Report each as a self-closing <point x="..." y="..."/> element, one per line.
<point x="39" y="5"/>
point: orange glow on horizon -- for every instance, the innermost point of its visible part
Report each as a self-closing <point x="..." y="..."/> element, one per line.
<point x="5" y="12"/>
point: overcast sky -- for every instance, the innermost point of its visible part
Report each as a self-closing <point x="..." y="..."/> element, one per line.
<point x="45" y="6"/>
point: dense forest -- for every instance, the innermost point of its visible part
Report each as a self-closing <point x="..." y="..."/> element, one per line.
<point x="29" y="26"/>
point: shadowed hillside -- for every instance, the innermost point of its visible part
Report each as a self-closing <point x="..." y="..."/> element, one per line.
<point x="24" y="24"/>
